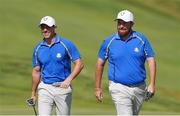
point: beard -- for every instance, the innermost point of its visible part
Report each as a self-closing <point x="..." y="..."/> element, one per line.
<point x="124" y="32"/>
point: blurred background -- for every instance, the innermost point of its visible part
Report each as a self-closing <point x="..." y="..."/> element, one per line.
<point x="87" y="23"/>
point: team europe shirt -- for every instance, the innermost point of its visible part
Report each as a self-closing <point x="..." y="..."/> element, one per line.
<point x="126" y="59"/>
<point x="55" y="60"/>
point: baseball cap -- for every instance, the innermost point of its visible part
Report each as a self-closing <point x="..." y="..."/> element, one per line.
<point x="48" y="20"/>
<point x="125" y="15"/>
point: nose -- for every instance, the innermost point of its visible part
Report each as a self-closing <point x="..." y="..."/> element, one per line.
<point x="121" y="25"/>
<point x="44" y="30"/>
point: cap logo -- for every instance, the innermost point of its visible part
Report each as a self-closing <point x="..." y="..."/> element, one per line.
<point x="122" y="13"/>
<point x="46" y="18"/>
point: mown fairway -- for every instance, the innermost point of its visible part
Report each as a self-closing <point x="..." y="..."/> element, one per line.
<point x="87" y="23"/>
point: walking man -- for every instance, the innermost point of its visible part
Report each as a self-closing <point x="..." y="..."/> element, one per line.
<point x="126" y="52"/>
<point x="51" y="73"/>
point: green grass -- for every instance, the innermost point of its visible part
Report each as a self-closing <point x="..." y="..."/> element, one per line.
<point x="87" y="23"/>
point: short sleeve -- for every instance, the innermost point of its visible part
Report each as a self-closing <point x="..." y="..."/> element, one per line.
<point x="73" y="51"/>
<point x="148" y="49"/>
<point x="35" y="61"/>
<point x="102" y="50"/>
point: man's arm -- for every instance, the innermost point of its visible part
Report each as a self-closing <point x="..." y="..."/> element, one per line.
<point x="98" y="76"/>
<point x="152" y="74"/>
<point x="78" y="66"/>
<point x="35" y="81"/>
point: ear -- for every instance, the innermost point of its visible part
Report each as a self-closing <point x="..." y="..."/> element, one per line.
<point x="132" y="23"/>
<point x="54" y="26"/>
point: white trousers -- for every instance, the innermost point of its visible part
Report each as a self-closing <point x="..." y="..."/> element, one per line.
<point x="49" y="95"/>
<point x="127" y="100"/>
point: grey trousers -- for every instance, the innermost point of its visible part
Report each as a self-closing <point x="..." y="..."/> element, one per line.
<point x="127" y="100"/>
<point x="49" y="95"/>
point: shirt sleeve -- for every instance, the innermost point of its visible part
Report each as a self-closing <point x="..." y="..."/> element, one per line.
<point x="148" y="49"/>
<point x="74" y="53"/>
<point x="102" y="50"/>
<point x="35" y="61"/>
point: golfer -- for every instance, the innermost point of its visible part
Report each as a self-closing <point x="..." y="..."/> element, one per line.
<point x="126" y="52"/>
<point x="51" y="72"/>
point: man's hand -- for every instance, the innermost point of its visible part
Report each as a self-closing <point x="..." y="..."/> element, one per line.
<point x="151" y="89"/>
<point x="33" y="96"/>
<point x="148" y="95"/>
<point x="149" y="92"/>
<point x="99" y="94"/>
<point x="30" y="102"/>
<point x="64" y="84"/>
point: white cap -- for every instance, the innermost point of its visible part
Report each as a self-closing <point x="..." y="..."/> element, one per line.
<point x="48" y="20"/>
<point x="125" y="15"/>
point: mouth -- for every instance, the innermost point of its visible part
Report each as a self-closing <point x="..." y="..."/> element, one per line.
<point x="123" y="30"/>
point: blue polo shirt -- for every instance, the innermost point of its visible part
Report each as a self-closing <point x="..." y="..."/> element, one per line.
<point x="126" y="59"/>
<point x="55" y="60"/>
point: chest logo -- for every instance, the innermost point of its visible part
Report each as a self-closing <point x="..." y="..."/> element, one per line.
<point x="136" y="49"/>
<point x="58" y="55"/>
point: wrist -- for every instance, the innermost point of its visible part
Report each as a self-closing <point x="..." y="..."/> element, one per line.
<point x="152" y="84"/>
<point x="68" y="79"/>
<point x="33" y="93"/>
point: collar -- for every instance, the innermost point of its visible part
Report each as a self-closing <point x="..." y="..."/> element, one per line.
<point x="133" y="35"/>
<point x="116" y="36"/>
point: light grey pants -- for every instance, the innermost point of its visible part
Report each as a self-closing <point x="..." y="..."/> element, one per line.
<point x="49" y="95"/>
<point x="127" y="100"/>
